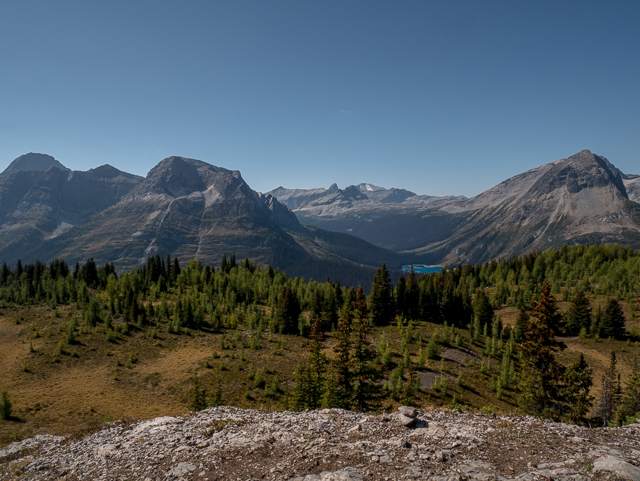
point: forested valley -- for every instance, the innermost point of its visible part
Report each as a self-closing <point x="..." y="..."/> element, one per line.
<point x="553" y="333"/>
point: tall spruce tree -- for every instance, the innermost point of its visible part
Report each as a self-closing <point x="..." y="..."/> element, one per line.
<point x="578" y="380"/>
<point x="365" y="373"/>
<point x="609" y="391"/>
<point x="613" y="322"/>
<point x="578" y="316"/>
<point x="482" y="311"/>
<point x="541" y="378"/>
<point x="381" y="302"/>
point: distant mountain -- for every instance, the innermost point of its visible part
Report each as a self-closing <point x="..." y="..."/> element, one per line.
<point x="357" y="209"/>
<point x="32" y="161"/>
<point x="184" y="207"/>
<point x="581" y="199"/>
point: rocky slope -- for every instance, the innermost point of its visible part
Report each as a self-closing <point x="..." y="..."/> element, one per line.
<point x="580" y="199"/>
<point x="40" y="199"/>
<point x="227" y="443"/>
<point x="184" y="207"/>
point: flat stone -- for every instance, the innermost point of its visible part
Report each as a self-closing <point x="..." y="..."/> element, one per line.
<point x="181" y="469"/>
<point x="408" y="411"/>
<point x="617" y="466"/>
<point x="406" y="420"/>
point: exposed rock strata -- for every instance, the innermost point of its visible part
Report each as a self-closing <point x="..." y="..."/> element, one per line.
<point x="235" y="444"/>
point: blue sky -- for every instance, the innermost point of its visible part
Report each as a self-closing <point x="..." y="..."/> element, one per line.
<point x="435" y="97"/>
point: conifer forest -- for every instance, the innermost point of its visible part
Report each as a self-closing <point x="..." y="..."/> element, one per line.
<point x="553" y="333"/>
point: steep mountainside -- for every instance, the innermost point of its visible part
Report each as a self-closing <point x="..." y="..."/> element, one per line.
<point x="37" y="205"/>
<point x="581" y="199"/>
<point x="184" y="207"/>
<point x="632" y="184"/>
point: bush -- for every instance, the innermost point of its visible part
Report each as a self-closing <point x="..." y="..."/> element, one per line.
<point x="5" y="405"/>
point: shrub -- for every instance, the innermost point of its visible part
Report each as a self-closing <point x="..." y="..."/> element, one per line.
<point x="5" y="405"/>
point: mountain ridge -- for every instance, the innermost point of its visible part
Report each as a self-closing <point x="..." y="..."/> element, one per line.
<point x="582" y="198"/>
<point x="184" y="207"/>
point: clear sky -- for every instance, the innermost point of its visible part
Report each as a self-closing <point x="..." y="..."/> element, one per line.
<point x="438" y="97"/>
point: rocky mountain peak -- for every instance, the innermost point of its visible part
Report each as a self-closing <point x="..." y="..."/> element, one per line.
<point x="580" y="171"/>
<point x="34" y="161"/>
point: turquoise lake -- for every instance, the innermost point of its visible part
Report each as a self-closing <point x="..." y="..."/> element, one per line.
<point x="422" y="269"/>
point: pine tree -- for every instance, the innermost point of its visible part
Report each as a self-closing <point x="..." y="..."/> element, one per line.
<point x="342" y="364"/>
<point x="629" y="408"/>
<point x="578" y="380"/>
<point x="482" y="311"/>
<point x="197" y="395"/>
<point x="578" y="315"/>
<point x="365" y="373"/>
<point x="381" y="302"/>
<point x="521" y="324"/>
<point x="5" y="405"/>
<point x="317" y="365"/>
<point x="287" y="311"/>
<point x="613" y="321"/>
<point x="608" y="393"/>
<point x="541" y="373"/>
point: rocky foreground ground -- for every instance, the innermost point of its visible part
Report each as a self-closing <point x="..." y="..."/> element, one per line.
<point x="228" y="443"/>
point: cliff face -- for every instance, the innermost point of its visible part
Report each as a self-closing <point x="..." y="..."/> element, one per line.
<point x="227" y="443"/>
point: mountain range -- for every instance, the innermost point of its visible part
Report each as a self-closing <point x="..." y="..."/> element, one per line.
<point x="191" y="209"/>
<point x="183" y="207"/>
<point x="580" y="199"/>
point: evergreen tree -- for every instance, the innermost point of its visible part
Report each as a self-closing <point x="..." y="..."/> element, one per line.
<point x="317" y="365"/>
<point x="541" y="373"/>
<point x="197" y="395"/>
<point x="381" y="302"/>
<point x="578" y="380"/>
<point x="342" y="362"/>
<point x="482" y="311"/>
<point x="613" y="322"/>
<point x="365" y="374"/>
<point x="578" y="315"/>
<point x="5" y="405"/>
<point x="288" y="311"/>
<point x="608" y="393"/>
<point x="412" y="297"/>
<point x="629" y="409"/>
<point x="521" y="324"/>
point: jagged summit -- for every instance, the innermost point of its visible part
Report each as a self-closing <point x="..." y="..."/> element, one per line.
<point x="34" y="161"/>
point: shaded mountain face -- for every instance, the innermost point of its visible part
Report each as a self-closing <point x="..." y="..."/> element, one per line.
<point x="184" y="207"/>
<point x="581" y="199"/>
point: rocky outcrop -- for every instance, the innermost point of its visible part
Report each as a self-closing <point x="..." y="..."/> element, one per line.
<point x="227" y="443"/>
